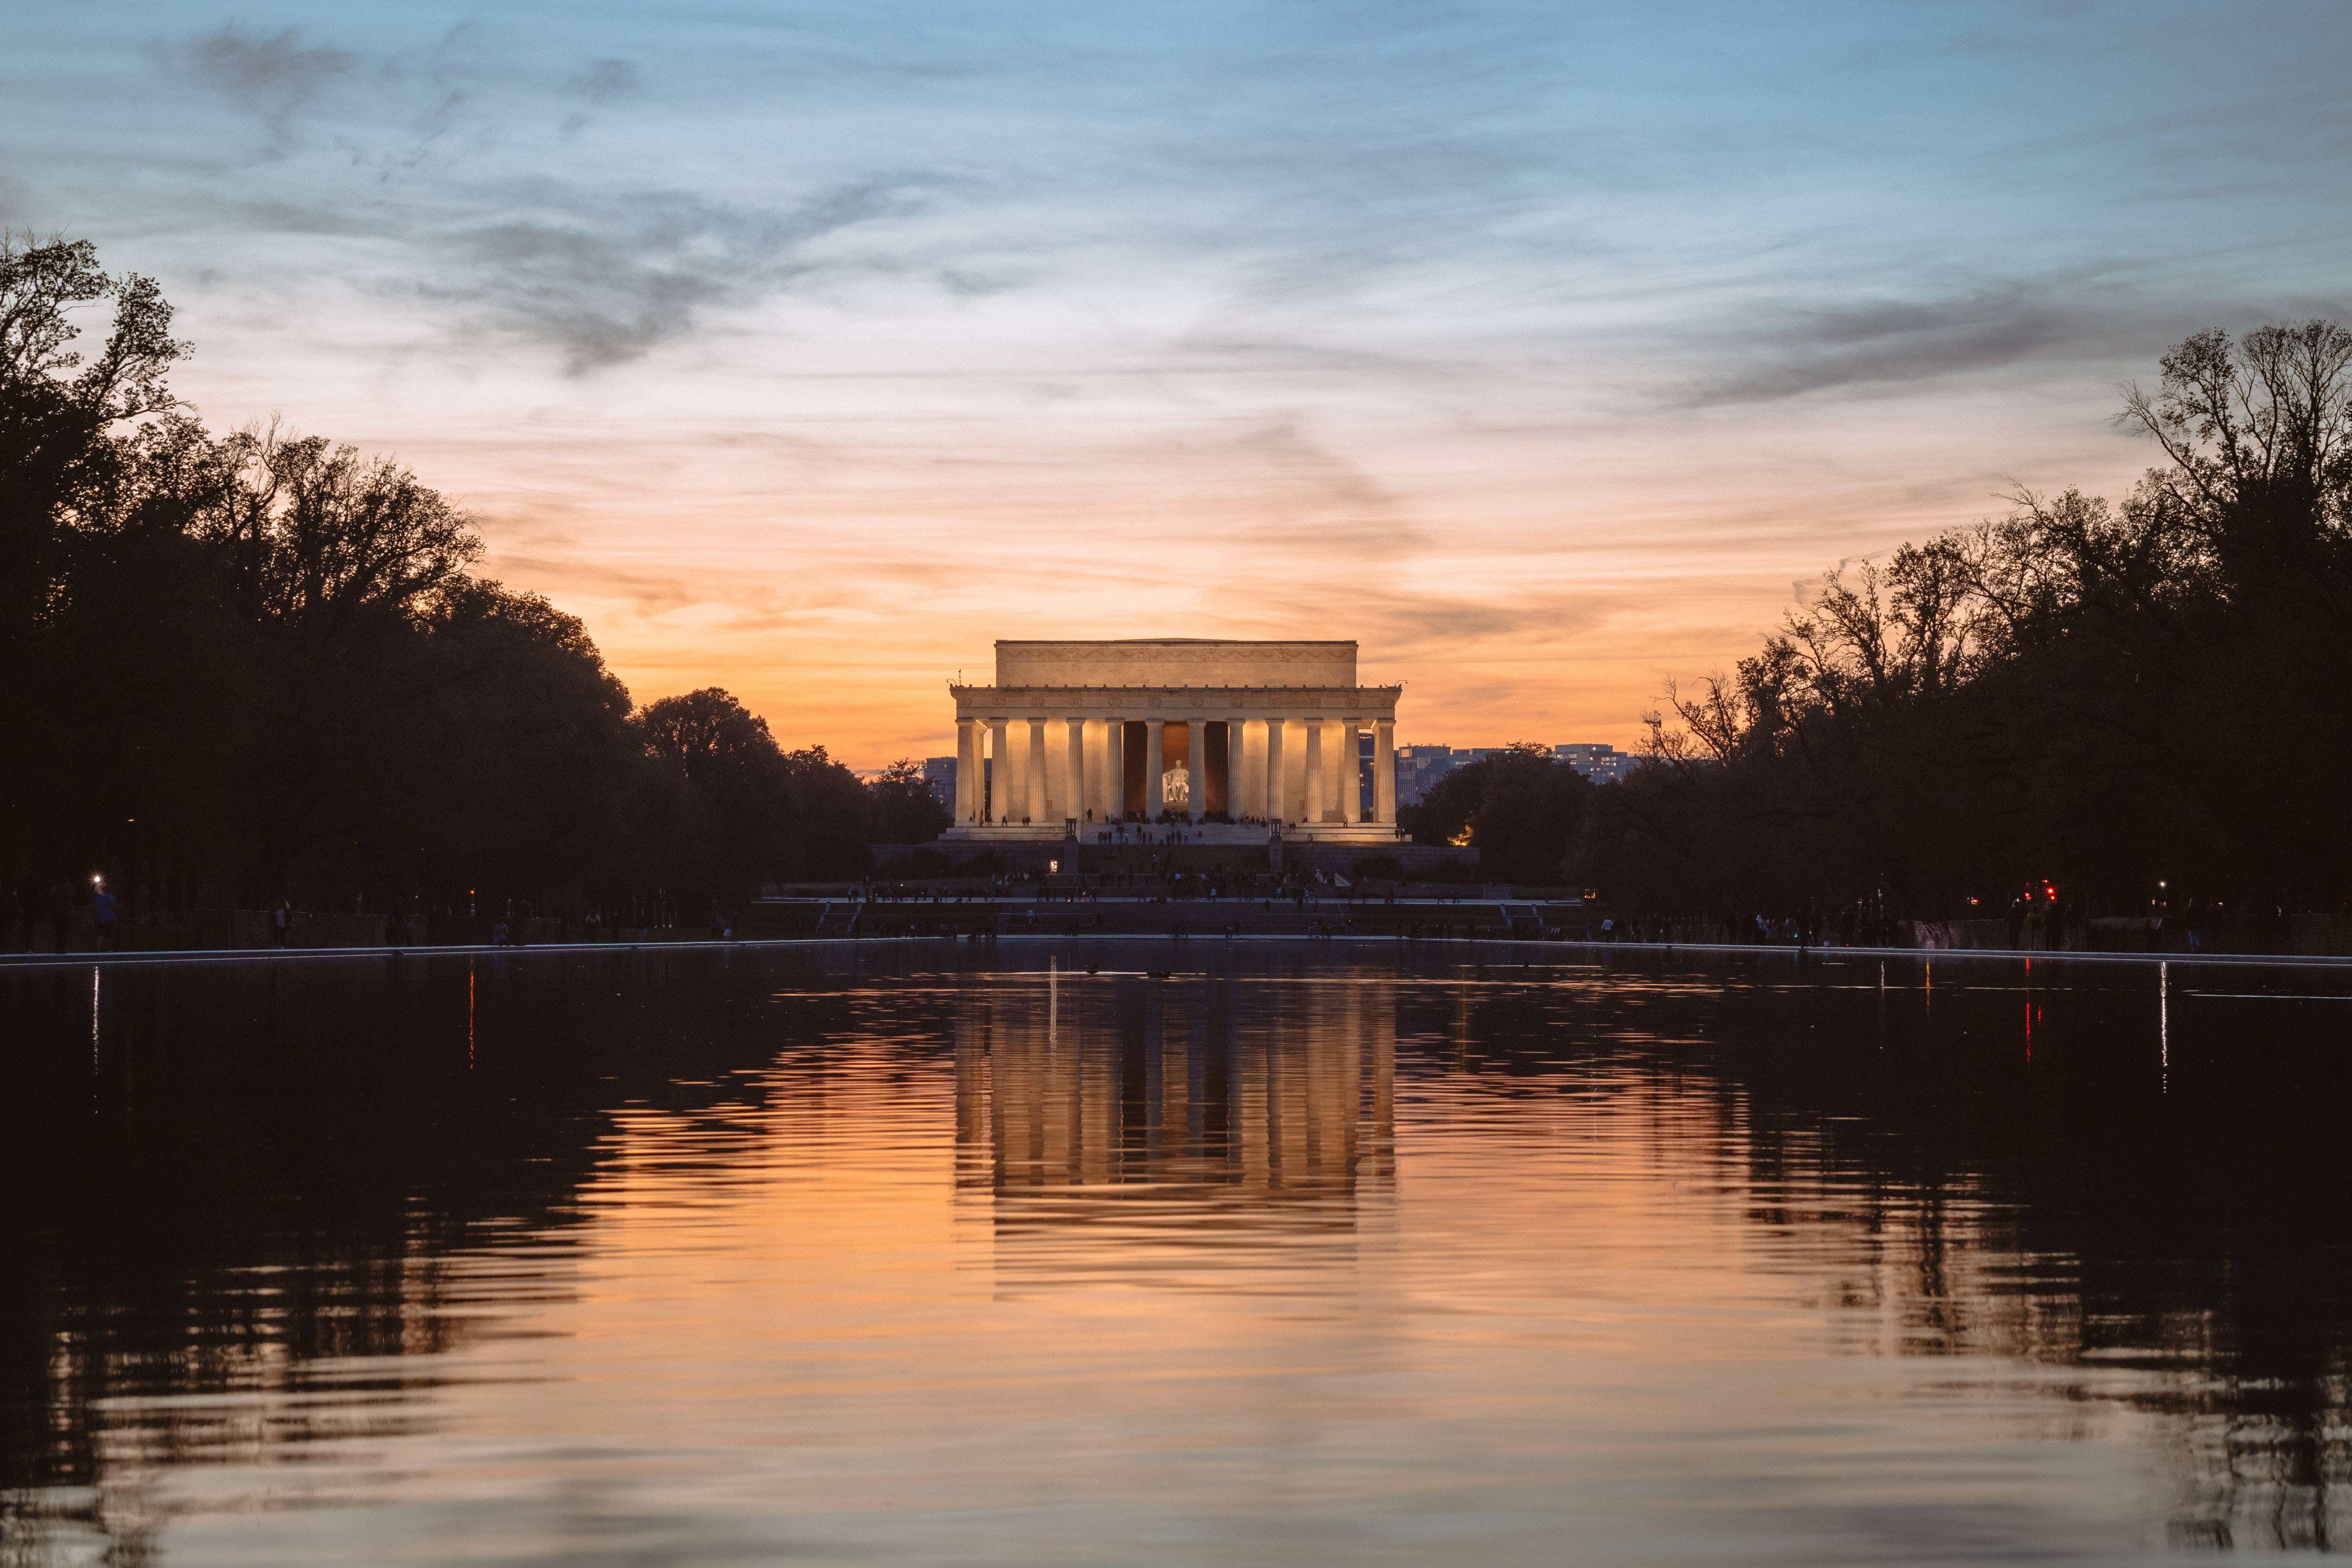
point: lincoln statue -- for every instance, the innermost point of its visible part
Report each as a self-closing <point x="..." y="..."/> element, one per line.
<point x="1247" y="740"/>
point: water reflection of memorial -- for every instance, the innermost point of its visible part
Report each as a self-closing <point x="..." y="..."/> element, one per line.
<point x="1176" y="1111"/>
<point x="258" y="1213"/>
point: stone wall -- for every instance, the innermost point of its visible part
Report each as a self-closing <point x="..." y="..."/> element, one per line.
<point x="1175" y="662"/>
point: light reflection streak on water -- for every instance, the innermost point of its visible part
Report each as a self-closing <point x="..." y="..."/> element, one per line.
<point x="1373" y="1257"/>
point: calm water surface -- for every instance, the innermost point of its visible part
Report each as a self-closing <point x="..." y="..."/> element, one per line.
<point x="1293" y="1256"/>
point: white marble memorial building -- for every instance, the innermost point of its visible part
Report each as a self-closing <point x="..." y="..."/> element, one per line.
<point x="1233" y="737"/>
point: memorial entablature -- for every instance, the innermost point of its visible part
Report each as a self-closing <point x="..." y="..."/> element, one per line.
<point x="1238" y="739"/>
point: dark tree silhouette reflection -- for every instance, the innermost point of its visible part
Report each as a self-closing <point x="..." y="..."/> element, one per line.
<point x="2066" y="1175"/>
<point x="251" y="1212"/>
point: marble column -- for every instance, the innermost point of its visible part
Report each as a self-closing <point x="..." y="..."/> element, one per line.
<point x="1074" y="799"/>
<point x="1047" y="745"/>
<point x="1036" y="807"/>
<point x="1115" y="767"/>
<point x="1333" y="810"/>
<point x="1154" y="786"/>
<point x="967" y="788"/>
<point x="1294" y="771"/>
<point x="1000" y="780"/>
<point x="1315" y="769"/>
<point x="1237" y="792"/>
<point x="1385" y="771"/>
<point x="1252" y="799"/>
<point x="1272" y="810"/>
<point x="1196" y="770"/>
<point x="1090" y="758"/>
<point x="1351" y="770"/>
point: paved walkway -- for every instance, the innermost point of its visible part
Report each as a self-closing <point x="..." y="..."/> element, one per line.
<point x="1196" y="939"/>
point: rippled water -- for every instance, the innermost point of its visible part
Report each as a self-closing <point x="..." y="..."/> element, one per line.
<point x="906" y="1255"/>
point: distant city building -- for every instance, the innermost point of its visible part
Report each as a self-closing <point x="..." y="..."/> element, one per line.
<point x="1602" y="764"/>
<point x="939" y="773"/>
<point x="1419" y="767"/>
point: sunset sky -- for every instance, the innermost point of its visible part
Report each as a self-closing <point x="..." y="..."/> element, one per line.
<point x="806" y="350"/>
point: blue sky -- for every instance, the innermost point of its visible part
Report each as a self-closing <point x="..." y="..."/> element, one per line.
<point x="808" y="348"/>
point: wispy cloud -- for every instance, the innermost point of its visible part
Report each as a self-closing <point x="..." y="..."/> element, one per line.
<point x="270" y="76"/>
<point x="1886" y="342"/>
<point x="603" y="82"/>
<point x="1540" y="347"/>
<point x="605" y="278"/>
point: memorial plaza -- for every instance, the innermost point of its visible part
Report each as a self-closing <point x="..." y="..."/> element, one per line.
<point x="1234" y="741"/>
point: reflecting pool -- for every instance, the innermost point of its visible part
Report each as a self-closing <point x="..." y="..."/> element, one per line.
<point x="1154" y="1253"/>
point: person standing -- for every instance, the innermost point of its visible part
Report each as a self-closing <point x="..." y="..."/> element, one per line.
<point x="282" y="921"/>
<point x="102" y="915"/>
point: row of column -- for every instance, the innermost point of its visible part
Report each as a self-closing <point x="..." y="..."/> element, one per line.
<point x="1049" y="770"/>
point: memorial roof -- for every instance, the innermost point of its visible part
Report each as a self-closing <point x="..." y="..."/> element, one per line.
<point x="1174" y="662"/>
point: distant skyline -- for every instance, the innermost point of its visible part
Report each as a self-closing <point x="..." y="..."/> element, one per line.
<point x="807" y="350"/>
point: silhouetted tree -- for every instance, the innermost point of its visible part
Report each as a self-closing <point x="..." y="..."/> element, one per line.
<point x="764" y="815"/>
<point x="830" y="818"/>
<point x="1521" y="808"/>
<point x="241" y="667"/>
<point x="2104" y="696"/>
<point x="59" y="453"/>
<point x="728" y="783"/>
<point x="905" y="809"/>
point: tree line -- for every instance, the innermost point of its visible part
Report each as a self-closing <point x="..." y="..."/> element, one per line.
<point x="245" y="666"/>
<point x="2136" y="705"/>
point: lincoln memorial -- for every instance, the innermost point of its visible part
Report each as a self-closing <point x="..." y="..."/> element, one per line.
<point x="1242" y="739"/>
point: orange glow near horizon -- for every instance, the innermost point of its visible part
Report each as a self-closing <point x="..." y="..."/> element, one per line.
<point x="1537" y="354"/>
<point x="1522" y="586"/>
<point x="1009" y="1248"/>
